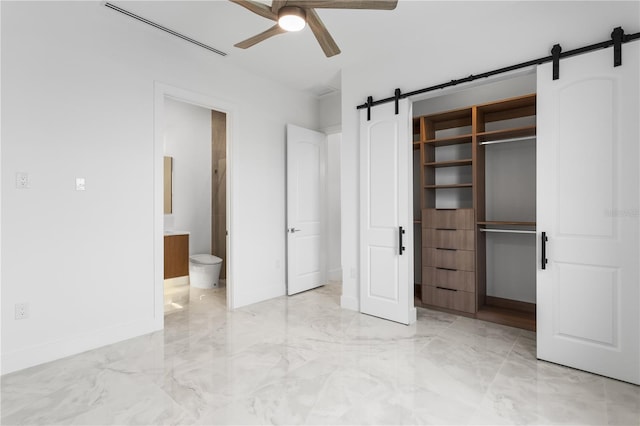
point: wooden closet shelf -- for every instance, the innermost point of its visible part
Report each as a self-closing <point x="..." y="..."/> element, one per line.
<point x="451" y="140"/>
<point x="510" y="103"/>
<point x="506" y="223"/>
<point x="451" y="163"/>
<point x="517" y="132"/>
<point x="521" y="106"/>
<point x="452" y="185"/>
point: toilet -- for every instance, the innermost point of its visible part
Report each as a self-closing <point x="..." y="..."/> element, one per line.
<point x="204" y="270"/>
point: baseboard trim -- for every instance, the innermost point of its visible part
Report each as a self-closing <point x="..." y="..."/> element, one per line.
<point x="41" y="354"/>
<point x="351" y="303"/>
<point x="335" y="274"/>
<point x="177" y="281"/>
<point x="516" y="305"/>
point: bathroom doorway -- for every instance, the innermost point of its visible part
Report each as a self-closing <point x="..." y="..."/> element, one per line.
<point x="193" y="131"/>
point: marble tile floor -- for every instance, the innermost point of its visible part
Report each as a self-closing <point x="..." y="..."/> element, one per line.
<point x="304" y="360"/>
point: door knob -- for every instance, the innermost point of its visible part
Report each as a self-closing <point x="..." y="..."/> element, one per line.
<point x="294" y="230"/>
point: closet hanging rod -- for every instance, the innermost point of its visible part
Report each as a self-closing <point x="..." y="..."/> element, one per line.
<point x="524" y="138"/>
<point x="507" y="231"/>
<point x="625" y="38"/>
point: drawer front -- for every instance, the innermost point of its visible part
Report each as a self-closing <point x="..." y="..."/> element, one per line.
<point x="457" y="280"/>
<point x="450" y="299"/>
<point x="448" y="218"/>
<point x="450" y="259"/>
<point x="448" y="238"/>
<point x="176" y="256"/>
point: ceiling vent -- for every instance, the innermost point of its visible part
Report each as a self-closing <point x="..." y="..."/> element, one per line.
<point x="165" y="29"/>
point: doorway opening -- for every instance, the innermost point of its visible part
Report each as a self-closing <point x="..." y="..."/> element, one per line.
<point x="475" y="201"/>
<point x="193" y="142"/>
<point x="195" y="204"/>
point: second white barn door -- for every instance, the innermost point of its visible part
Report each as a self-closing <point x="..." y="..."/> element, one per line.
<point x="306" y="189"/>
<point x="587" y="205"/>
<point x="386" y="225"/>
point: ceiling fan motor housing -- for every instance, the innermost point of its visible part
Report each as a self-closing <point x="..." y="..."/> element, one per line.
<point x="294" y="15"/>
<point x="292" y="18"/>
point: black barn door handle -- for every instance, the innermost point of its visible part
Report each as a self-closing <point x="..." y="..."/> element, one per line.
<point x="401" y="231"/>
<point x="544" y="250"/>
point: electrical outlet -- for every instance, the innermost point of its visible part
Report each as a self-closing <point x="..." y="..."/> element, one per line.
<point x="22" y="311"/>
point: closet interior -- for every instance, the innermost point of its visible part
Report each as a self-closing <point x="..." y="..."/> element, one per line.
<point x="474" y="202"/>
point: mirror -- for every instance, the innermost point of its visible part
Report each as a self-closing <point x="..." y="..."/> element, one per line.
<point x="168" y="185"/>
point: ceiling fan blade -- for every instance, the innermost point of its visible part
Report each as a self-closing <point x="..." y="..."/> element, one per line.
<point x="275" y="30"/>
<point x="327" y="42"/>
<point x="276" y="5"/>
<point x="346" y="4"/>
<point x="258" y="8"/>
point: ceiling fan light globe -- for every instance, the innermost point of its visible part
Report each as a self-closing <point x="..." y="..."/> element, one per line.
<point x="291" y="18"/>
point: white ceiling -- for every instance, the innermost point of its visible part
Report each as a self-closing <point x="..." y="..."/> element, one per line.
<point x="441" y="29"/>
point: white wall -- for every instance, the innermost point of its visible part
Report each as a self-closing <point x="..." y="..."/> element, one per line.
<point x="187" y="139"/>
<point x="330" y="112"/>
<point x="528" y="30"/>
<point x="78" y="101"/>
<point x="331" y="123"/>
<point x="333" y="206"/>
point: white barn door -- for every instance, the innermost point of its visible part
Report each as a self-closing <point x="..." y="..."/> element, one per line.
<point x="386" y="266"/>
<point x="588" y="295"/>
<point x="306" y="198"/>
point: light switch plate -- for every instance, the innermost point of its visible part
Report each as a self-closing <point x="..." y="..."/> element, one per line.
<point x="80" y="184"/>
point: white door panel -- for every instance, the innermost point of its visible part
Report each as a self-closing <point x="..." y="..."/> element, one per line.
<point x="386" y="275"/>
<point x="306" y="163"/>
<point x="384" y="284"/>
<point x="587" y="203"/>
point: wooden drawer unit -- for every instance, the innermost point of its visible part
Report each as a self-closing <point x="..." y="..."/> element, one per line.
<point x="449" y="278"/>
<point x="448" y="218"/>
<point x="448" y="238"/>
<point x="451" y="299"/>
<point x="451" y="259"/>
<point x="448" y="259"/>
<point x="176" y="256"/>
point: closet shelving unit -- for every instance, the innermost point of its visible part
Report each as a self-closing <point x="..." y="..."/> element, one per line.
<point x="440" y="130"/>
<point x="448" y="244"/>
<point x="505" y="118"/>
<point x="454" y="236"/>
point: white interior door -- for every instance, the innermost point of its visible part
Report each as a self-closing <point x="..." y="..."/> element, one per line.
<point x="587" y="203"/>
<point x="386" y="178"/>
<point x="306" y="195"/>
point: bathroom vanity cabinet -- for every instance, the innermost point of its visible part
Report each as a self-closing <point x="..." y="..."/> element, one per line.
<point x="176" y="255"/>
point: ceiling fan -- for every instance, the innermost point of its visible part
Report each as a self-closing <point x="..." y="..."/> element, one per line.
<point x="292" y="15"/>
